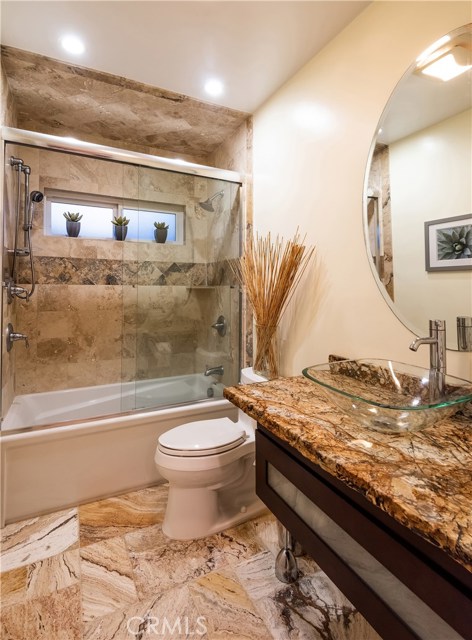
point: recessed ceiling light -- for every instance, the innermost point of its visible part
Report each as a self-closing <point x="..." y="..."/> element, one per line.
<point x="73" y="44"/>
<point x="214" y="87"/>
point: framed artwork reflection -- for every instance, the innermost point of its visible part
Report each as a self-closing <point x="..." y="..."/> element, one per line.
<point x="448" y="244"/>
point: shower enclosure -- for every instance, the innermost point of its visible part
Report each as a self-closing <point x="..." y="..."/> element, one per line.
<point x="115" y="326"/>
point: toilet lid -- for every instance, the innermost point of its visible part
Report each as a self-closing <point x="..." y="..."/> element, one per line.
<point x="202" y="438"/>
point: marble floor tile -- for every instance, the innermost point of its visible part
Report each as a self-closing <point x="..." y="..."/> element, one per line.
<point x="107" y="581"/>
<point x="228" y="611"/>
<point x="128" y="580"/>
<point x="257" y="575"/>
<point x="40" y="578"/>
<point x="13" y="586"/>
<point x="38" y="538"/>
<point x="166" y="616"/>
<point x="262" y="529"/>
<point x="121" y="514"/>
<point x="53" y="574"/>
<point x="238" y="544"/>
<point x="313" y="608"/>
<point x="53" y="617"/>
<point x="160" y="563"/>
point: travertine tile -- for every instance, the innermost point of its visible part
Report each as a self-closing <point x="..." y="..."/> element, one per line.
<point x="39" y="578"/>
<point x="12" y="622"/>
<point x="167" y="615"/>
<point x="228" y="611"/>
<point x="160" y="563"/>
<point x="257" y="575"/>
<point x="53" y="574"/>
<point x="53" y="617"/>
<point x="107" y="582"/>
<point x="238" y="544"/>
<point x="261" y="532"/>
<point x="38" y="538"/>
<point x="107" y="109"/>
<point x="122" y="514"/>
<point x="46" y="376"/>
<point x="13" y="586"/>
<point x="311" y="608"/>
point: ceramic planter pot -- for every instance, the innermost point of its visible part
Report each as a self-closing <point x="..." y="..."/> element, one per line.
<point x="120" y="231"/>
<point x="72" y="228"/>
<point x="160" y="235"/>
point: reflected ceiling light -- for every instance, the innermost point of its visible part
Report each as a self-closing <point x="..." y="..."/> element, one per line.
<point x="449" y="65"/>
<point x="427" y="52"/>
<point x="72" y="44"/>
<point x="214" y="87"/>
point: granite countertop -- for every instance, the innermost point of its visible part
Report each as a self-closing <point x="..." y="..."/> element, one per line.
<point x="423" y="480"/>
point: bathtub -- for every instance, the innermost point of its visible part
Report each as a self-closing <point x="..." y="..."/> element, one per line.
<point x="36" y="409"/>
<point x="55" y="454"/>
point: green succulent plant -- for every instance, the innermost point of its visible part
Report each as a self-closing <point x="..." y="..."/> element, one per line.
<point x="72" y="217"/>
<point x="455" y="243"/>
<point x="161" y="225"/>
<point x="120" y="221"/>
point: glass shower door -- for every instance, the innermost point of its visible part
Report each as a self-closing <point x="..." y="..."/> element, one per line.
<point x="184" y="287"/>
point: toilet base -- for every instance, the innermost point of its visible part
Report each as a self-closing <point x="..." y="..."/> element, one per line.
<point x="206" y="512"/>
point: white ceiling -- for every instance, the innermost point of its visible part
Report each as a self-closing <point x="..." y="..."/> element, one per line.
<point x="252" y="46"/>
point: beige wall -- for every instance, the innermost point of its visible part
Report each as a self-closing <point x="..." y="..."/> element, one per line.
<point x="311" y="146"/>
<point x="440" y="160"/>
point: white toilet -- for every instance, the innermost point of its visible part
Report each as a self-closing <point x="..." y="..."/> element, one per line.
<point x="209" y="465"/>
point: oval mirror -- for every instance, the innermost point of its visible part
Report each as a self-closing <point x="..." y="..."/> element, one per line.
<point x="418" y="190"/>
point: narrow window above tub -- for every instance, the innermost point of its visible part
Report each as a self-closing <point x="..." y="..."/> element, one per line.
<point x="98" y="211"/>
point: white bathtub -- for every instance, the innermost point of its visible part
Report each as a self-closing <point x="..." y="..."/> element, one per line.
<point x="36" y="409"/>
<point x="46" y="468"/>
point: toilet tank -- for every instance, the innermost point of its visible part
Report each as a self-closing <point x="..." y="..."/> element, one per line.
<point x="249" y="377"/>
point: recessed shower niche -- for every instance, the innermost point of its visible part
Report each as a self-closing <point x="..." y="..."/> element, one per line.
<point x="128" y="325"/>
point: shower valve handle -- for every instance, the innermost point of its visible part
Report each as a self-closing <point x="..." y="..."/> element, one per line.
<point x="11" y="336"/>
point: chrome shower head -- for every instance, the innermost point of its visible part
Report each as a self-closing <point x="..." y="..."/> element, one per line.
<point x="208" y="204"/>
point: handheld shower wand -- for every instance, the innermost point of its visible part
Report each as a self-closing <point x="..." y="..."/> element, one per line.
<point x="35" y="197"/>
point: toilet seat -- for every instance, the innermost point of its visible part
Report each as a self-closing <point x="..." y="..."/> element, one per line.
<point x="202" y="438"/>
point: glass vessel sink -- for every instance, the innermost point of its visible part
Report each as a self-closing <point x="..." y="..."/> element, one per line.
<point x="389" y="396"/>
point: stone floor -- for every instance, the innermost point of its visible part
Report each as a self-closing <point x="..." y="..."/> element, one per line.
<point x="106" y="571"/>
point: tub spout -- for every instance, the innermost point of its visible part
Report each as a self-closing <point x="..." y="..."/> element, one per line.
<point x="214" y="371"/>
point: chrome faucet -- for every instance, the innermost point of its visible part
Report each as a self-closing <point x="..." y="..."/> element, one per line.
<point x="437" y="356"/>
<point x="214" y="371"/>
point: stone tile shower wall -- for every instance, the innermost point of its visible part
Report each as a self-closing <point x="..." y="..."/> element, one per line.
<point x="379" y="182"/>
<point x="108" y="311"/>
<point x="9" y="118"/>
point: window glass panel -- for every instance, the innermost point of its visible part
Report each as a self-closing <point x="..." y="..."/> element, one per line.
<point x="141" y="226"/>
<point x="96" y="221"/>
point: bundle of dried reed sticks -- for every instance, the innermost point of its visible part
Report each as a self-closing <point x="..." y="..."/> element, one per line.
<point x="270" y="271"/>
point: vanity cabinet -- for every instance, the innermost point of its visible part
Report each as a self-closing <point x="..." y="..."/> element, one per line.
<point x="406" y="587"/>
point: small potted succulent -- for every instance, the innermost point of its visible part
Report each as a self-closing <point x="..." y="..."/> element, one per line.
<point x="72" y="223"/>
<point x="120" y="227"/>
<point x="160" y="232"/>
